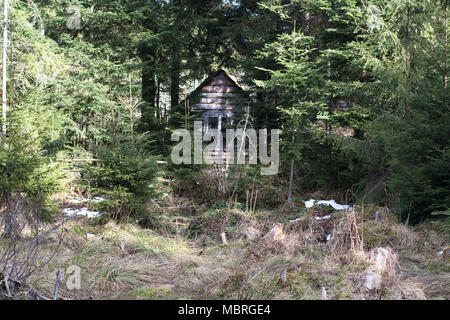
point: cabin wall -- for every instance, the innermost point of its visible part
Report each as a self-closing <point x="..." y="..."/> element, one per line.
<point x="218" y="99"/>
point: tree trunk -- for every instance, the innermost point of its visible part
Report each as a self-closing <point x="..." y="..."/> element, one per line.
<point x="158" y="99"/>
<point x="148" y="88"/>
<point x="4" y="75"/>
<point x="175" y="79"/>
<point x="291" y="182"/>
<point x="291" y="175"/>
<point x="408" y="59"/>
<point x="445" y="51"/>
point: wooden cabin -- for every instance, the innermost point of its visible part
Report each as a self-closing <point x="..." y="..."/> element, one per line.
<point x="218" y="101"/>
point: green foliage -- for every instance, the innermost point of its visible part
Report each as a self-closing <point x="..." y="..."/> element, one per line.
<point x="25" y="171"/>
<point x="112" y="89"/>
<point x="409" y="138"/>
<point x="445" y="224"/>
<point x="26" y="168"/>
<point x="266" y="190"/>
<point x="219" y="205"/>
<point x="313" y="83"/>
<point x="211" y="222"/>
<point x="124" y="175"/>
<point x="35" y="132"/>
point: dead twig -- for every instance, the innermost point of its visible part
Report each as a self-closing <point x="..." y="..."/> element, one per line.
<point x="58" y="278"/>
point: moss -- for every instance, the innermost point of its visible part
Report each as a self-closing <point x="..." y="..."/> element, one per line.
<point x="301" y="287"/>
<point x="233" y="284"/>
<point x="152" y="293"/>
<point x="278" y="262"/>
<point x="342" y="288"/>
<point x="345" y="294"/>
<point x="375" y="235"/>
<point x="437" y="265"/>
<point x="437" y="298"/>
<point x="238" y="287"/>
<point x="306" y="285"/>
<point x="185" y="266"/>
<point x="211" y="221"/>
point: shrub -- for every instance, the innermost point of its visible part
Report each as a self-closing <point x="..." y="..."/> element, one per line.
<point x="26" y="171"/>
<point x="445" y="223"/>
<point x="124" y="175"/>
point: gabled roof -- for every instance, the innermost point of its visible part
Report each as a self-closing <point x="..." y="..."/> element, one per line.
<point x="212" y="78"/>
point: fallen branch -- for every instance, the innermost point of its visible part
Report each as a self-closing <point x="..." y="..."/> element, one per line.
<point x="7" y="286"/>
<point x="35" y="295"/>
<point x="6" y="282"/>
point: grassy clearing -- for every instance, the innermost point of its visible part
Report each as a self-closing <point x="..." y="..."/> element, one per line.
<point x="125" y="261"/>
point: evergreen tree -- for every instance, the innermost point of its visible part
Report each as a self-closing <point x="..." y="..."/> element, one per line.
<point x="410" y="62"/>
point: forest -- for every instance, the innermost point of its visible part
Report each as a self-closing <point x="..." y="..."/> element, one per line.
<point x="98" y="94"/>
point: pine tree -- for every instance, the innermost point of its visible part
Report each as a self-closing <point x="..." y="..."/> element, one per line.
<point x="409" y="60"/>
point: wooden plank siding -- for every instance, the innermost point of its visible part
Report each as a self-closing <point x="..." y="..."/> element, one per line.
<point x="216" y="94"/>
<point x="217" y="100"/>
<point x="200" y="107"/>
<point x="221" y="94"/>
<point x="218" y="89"/>
<point x="219" y="103"/>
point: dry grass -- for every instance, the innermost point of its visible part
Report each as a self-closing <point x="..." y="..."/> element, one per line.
<point x="124" y="261"/>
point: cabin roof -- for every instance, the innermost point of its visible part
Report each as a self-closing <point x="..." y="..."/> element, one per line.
<point x="218" y="79"/>
<point x="217" y="95"/>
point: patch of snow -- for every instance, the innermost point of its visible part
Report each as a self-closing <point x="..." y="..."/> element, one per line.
<point x="78" y="201"/>
<point x="296" y="220"/>
<point x="75" y="201"/>
<point x="311" y="203"/>
<point x="81" y="212"/>
<point x="322" y="218"/>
